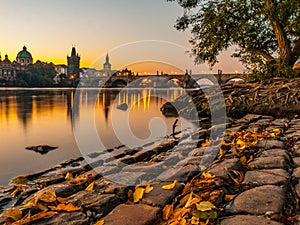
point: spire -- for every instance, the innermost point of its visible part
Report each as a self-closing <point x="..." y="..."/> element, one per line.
<point x="73" y="53"/>
<point x="107" y="58"/>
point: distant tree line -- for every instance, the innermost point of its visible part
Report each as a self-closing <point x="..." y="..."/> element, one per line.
<point x="39" y="74"/>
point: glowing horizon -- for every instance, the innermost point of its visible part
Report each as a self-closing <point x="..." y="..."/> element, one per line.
<point x="49" y="30"/>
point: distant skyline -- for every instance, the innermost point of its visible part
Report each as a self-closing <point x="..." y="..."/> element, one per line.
<point x="49" y="29"/>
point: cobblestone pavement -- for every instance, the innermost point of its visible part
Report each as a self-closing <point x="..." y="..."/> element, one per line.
<point x="267" y="193"/>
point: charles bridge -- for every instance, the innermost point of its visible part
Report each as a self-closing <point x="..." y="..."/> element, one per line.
<point x="164" y="80"/>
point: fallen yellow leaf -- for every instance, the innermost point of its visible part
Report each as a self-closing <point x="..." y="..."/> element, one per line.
<point x="20" y="180"/>
<point x="69" y="176"/>
<point x="29" y="204"/>
<point x="41" y="207"/>
<point x="100" y="222"/>
<point x="29" y="219"/>
<point x="205" y="144"/>
<point x="170" y="186"/>
<point x="47" y="196"/>
<point x="138" y="194"/>
<point x="62" y="207"/>
<point x="90" y="187"/>
<point x="229" y="198"/>
<point x="205" y="206"/>
<point x="62" y="200"/>
<point x="148" y="189"/>
<point x="78" y="180"/>
<point x="167" y="211"/>
<point x="243" y="160"/>
<point x="208" y="175"/>
<point x="15" y="214"/>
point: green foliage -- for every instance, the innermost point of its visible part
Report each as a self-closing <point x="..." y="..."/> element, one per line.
<point x="37" y="75"/>
<point x="265" y="32"/>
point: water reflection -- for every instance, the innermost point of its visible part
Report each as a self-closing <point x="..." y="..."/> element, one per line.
<point x="47" y="116"/>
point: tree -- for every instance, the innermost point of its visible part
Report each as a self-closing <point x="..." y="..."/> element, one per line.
<point x="36" y="75"/>
<point x="266" y="33"/>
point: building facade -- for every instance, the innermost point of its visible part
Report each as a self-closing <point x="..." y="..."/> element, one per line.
<point x="8" y="71"/>
<point x="24" y="58"/>
<point x="73" y="70"/>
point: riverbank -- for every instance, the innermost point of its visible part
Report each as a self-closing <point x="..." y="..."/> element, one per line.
<point x="253" y="180"/>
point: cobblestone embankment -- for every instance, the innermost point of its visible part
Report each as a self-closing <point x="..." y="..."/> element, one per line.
<point x="253" y="179"/>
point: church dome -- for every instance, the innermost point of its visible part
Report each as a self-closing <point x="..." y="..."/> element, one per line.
<point x="24" y="53"/>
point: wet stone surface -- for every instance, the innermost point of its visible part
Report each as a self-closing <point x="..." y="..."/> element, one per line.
<point x="258" y="186"/>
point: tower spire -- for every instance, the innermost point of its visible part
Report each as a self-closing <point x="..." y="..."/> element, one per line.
<point x="107" y="57"/>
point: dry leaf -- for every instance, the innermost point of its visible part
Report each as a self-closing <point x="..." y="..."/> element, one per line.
<point x="205" y="144"/>
<point x="243" y="160"/>
<point x="69" y="176"/>
<point x="182" y="221"/>
<point x="100" y="222"/>
<point x="148" y="189"/>
<point x="30" y="219"/>
<point x="78" y="180"/>
<point x="48" y="196"/>
<point x="62" y="207"/>
<point x="90" y="187"/>
<point x="138" y="194"/>
<point x="167" y="211"/>
<point x="170" y="186"/>
<point x="20" y="180"/>
<point x="15" y="214"/>
<point x="207" y="175"/>
<point x="229" y="198"/>
<point x="205" y="206"/>
<point x="62" y="200"/>
<point x="29" y="204"/>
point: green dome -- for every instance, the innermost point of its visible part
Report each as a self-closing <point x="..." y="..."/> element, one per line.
<point x="24" y="53"/>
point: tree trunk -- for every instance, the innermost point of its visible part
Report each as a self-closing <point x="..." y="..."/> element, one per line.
<point x="283" y="43"/>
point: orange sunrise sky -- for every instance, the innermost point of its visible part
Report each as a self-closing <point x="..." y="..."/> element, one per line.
<point x="138" y="34"/>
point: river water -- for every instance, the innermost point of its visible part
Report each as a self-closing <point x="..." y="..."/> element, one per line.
<point x="71" y="118"/>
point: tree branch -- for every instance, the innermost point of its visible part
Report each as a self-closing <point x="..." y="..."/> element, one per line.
<point x="296" y="50"/>
<point x="283" y="43"/>
<point x="261" y="53"/>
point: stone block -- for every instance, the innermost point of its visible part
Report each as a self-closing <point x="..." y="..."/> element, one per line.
<point x="138" y="214"/>
<point x="259" y="200"/>
<point x="248" y="220"/>
<point x="264" y="177"/>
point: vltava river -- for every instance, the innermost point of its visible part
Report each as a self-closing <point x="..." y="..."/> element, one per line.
<point x="50" y="116"/>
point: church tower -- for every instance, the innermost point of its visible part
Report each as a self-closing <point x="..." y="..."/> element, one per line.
<point x="107" y="65"/>
<point x="73" y="65"/>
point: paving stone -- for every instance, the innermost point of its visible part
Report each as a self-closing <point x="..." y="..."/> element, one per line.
<point x="296" y="173"/>
<point x="248" y="220"/>
<point x="100" y="203"/>
<point x="279" y="122"/>
<point x="262" y="122"/>
<point x="264" y="177"/>
<point x="235" y="128"/>
<point x="179" y="173"/>
<point x="259" y="200"/>
<point x="127" y="178"/>
<point x="70" y="218"/>
<point x="220" y="169"/>
<point x="138" y="214"/>
<point x="296" y="161"/>
<point x="276" y="152"/>
<point x="269" y="144"/>
<point x="277" y="162"/>
<point x="249" y="118"/>
<point x="160" y="197"/>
